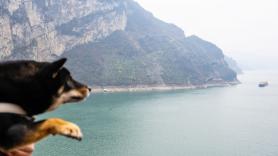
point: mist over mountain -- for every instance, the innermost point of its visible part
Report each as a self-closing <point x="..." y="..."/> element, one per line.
<point x="233" y="65"/>
<point x="109" y="43"/>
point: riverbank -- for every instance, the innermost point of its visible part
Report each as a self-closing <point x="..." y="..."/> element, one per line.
<point x="139" y="88"/>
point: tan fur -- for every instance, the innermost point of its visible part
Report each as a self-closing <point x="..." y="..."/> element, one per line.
<point x="84" y="91"/>
<point x="53" y="126"/>
<point x="67" y="96"/>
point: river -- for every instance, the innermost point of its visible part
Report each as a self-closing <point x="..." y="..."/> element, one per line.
<point x="240" y="120"/>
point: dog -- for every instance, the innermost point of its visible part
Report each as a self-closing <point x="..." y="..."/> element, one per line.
<point x="29" y="88"/>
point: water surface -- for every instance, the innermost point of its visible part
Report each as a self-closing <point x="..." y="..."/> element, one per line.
<point x="232" y="121"/>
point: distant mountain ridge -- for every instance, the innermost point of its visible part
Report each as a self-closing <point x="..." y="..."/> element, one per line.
<point x="110" y="43"/>
<point x="233" y="65"/>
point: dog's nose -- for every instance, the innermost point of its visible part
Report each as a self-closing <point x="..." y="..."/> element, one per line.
<point x="90" y="89"/>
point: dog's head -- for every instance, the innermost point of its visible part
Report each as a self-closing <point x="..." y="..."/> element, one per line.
<point x="61" y="85"/>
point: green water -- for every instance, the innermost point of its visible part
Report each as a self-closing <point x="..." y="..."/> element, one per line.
<point x="232" y="121"/>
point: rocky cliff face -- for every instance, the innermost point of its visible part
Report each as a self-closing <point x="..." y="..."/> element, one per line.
<point x="109" y="43"/>
<point x="44" y="29"/>
<point x="233" y="65"/>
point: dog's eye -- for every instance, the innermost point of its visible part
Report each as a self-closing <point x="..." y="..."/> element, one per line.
<point x="69" y="83"/>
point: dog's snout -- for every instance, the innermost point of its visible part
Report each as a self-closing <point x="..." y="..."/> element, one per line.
<point x="90" y="89"/>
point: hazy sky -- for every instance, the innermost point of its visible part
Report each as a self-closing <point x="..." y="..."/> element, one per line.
<point x="247" y="30"/>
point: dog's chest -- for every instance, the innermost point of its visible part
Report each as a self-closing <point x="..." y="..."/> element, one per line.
<point x="11" y="108"/>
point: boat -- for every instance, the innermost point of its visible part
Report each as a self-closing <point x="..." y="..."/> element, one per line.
<point x="263" y="84"/>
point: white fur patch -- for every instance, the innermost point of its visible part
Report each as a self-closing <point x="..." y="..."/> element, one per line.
<point x="64" y="98"/>
<point x="11" y="108"/>
<point x="68" y="95"/>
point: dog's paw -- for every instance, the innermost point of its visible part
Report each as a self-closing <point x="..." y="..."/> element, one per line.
<point x="67" y="129"/>
<point x="70" y="130"/>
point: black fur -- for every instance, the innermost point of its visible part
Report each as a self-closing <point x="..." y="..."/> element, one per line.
<point x="33" y="86"/>
<point x="30" y="84"/>
<point x="13" y="132"/>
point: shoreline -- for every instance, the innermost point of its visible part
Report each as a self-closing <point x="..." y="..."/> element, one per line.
<point x="141" y="88"/>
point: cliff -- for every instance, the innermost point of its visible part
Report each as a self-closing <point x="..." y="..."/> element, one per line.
<point x="109" y="43"/>
<point x="233" y="65"/>
<point x="44" y="29"/>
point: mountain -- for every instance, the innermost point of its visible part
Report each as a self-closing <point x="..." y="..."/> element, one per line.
<point x="109" y="43"/>
<point x="44" y="29"/>
<point x="233" y="64"/>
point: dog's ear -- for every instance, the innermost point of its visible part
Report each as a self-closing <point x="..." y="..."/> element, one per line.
<point x="53" y="68"/>
<point x="56" y="66"/>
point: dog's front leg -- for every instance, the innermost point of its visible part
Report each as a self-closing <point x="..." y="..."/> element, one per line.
<point x="53" y="126"/>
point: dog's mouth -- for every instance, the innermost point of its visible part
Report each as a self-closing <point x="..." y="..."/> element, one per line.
<point x="70" y="97"/>
<point x="77" y="98"/>
<point x="76" y="95"/>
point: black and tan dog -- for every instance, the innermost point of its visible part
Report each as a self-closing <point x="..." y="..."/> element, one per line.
<point x="29" y="88"/>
